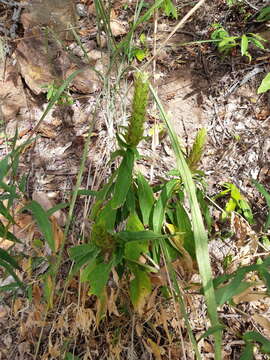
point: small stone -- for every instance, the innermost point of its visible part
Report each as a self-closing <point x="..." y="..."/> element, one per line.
<point x="81" y="10"/>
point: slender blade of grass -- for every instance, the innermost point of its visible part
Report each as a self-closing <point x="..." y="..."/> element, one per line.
<point x="200" y="235"/>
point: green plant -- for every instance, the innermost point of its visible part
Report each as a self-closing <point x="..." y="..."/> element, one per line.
<point x="135" y="223"/>
<point x="229" y="285"/>
<point x="236" y="202"/>
<point x="226" y="42"/>
<point x="139" y="52"/>
<point x="11" y="190"/>
<point x="63" y="99"/>
<point x="169" y="8"/>
<point x="265" y="84"/>
<point x="251" y="338"/>
<point x="231" y="2"/>
<point x="115" y="204"/>
<point x="264" y="14"/>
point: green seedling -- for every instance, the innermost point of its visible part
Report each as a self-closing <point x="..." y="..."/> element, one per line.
<point x="264" y="14"/>
<point x="64" y="99"/>
<point x="236" y="202"/>
<point x="169" y="8"/>
<point x="231" y="2"/>
<point x="138" y="52"/>
<point x="226" y="42"/>
<point x="265" y="84"/>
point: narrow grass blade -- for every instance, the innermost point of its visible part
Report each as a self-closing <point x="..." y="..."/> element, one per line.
<point x="4" y="255"/>
<point x="179" y="298"/>
<point x="10" y="270"/>
<point x="200" y="235"/>
<point x="5" y="234"/>
<point x="146" y="198"/>
<point x="123" y="181"/>
<point x="160" y="206"/>
<point x="43" y="222"/>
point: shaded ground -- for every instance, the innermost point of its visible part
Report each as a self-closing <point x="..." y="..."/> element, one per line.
<point x="199" y="89"/>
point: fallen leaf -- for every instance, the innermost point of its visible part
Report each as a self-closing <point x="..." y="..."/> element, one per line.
<point x="3" y="311"/>
<point x="264" y="322"/>
<point x="117" y="28"/>
<point x="17" y="306"/>
<point x="57" y="233"/>
<point x="156" y="349"/>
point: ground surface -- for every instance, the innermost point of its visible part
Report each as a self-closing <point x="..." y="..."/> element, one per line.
<point x="199" y="89"/>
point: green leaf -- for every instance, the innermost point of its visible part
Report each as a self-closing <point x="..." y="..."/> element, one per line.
<point x="92" y="263"/>
<point x="244" y="44"/>
<point x="107" y="217"/>
<point x="87" y="192"/>
<point x="160" y="206"/>
<point x="5" y="234"/>
<point x="80" y="251"/>
<point x="197" y="149"/>
<point x="10" y="270"/>
<point x="10" y="287"/>
<point x="248" y="353"/>
<point x="57" y="207"/>
<point x="99" y="277"/>
<point x="235" y="287"/>
<point x="133" y="249"/>
<point x="134" y="223"/>
<point x="265" y="84"/>
<point x="140" y="289"/>
<point x="4" y="255"/>
<point x="169" y="8"/>
<point x="140" y="54"/>
<point x="200" y="235"/>
<point x="230" y="206"/>
<point x="4" y="167"/>
<point x="43" y="222"/>
<point x="70" y="356"/>
<point x="4" y="211"/>
<point x="254" y="336"/>
<point x="256" y="42"/>
<point x="246" y="210"/>
<point x="82" y="254"/>
<point x="123" y="181"/>
<point x="205" y="209"/>
<point x="210" y="331"/>
<point x="264" y="14"/>
<point x="184" y="225"/>
<point x="146" y="198"/>
<point x="139" y="235"/>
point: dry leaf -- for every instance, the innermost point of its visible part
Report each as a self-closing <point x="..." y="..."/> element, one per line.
<point x="84" y="320"/>
<point x="54" y="350"/>
<point x="156" y="349"/>
<point x="23" y="349"/>
<point x="37" y="294"/>
<point x="264" y="322"/>
<point x="117" y="28"/>
<point x="248" y="296"/>
<point x="3" y="311"/>
<point x="58" y="234"/>
<point x="111" y="305"/>
<point x="164" y="318"/>
<point x="17" y="306"/>
<point x="42" y="198"/>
